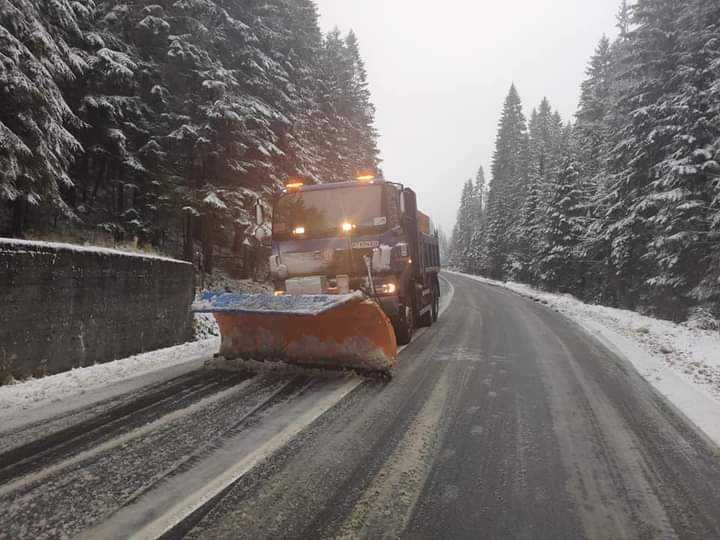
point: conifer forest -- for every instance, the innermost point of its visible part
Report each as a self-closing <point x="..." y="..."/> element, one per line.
<point x="621" y="205"/>
<point x="360" y="269"/>
<point x="168" y="123"/>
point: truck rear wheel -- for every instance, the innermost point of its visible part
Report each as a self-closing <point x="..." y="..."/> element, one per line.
<point x="426" y="319"/>
<point x="431" y="315"/>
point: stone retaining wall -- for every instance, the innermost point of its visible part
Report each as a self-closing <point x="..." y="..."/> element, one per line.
<point x="64" y="306"/>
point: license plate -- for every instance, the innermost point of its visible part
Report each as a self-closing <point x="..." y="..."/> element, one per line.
<point x="365" y="244"/>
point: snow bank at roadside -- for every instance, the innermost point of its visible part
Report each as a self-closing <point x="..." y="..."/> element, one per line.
<point x="34" y="246"/>
<point x="55" y="388"/>
<point x="220" y="282"/>
<point x="204" y="325"/>
<point x="682" y="361"/>
<point x="102" y="380"/>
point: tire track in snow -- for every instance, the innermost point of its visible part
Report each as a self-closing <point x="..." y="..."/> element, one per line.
<point x="81" y="491"/>
<point x="388" y="503"/>
<point x="234" y="458"/>
<point x="121" y="419"/>
<point x="67" y="467"/>
<point x="195" y="511"/>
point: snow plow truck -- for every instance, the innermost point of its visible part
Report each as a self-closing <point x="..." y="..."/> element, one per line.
<point x="355" y="268"/>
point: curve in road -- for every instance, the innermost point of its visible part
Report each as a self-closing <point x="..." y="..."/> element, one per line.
<point x="504" y="420"/>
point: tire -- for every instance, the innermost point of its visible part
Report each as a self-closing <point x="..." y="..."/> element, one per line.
<point x="426" y="319"/>
<point x="403" y="326"/>
<point x="429" y="317"/>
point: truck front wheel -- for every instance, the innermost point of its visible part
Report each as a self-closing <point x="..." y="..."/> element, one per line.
<point x="403" y="325"/>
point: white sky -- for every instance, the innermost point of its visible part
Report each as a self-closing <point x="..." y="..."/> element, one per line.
<point x="439" y="72"/>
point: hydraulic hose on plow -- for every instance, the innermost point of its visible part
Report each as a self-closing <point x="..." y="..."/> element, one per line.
<point x="331" y="331"/>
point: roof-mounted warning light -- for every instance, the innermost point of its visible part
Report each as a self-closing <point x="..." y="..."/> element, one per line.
<point x="366" y="178"/>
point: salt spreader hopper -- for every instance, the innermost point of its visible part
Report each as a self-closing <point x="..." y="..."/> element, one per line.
<point x="355" y="269"/>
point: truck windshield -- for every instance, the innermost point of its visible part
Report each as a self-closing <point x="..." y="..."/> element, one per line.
<point x="324" y="211"/>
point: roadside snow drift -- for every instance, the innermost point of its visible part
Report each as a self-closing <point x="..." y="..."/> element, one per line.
<point x="55" y="391"/>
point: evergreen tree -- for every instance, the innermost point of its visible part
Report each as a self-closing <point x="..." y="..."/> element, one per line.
<point x="351" y="145"/>
<point x="651" y="65"/>
<point x="545" y="146"/>
<point x="463" y="231"/>
<point x="305" y="51"/>
<point x="507" y="188"/>
<point x="363" y="137"/>
<point x="37" y="147"/>
<point x="684" y="192"/>
<point x="631" y="216"/>
<point x="478" y="219"/>
<point x="169" y="122"/>
<point x="563" y="230"/>
<point x="114" y="189"/>
<point x="624" y="19"/>
<point x="444" y="247"/>
<point x="608" y="83"/>
<point x="591" y="130"/>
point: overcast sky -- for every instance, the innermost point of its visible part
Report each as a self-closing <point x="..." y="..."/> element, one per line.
<point x="439" y="72"/>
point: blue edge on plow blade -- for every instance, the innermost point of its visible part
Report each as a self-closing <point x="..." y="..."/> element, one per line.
<point x="267" y="304"/>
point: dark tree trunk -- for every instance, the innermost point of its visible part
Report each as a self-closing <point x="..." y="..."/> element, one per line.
<point x="100" y="178"/>
<point x="207" y="257"/>
<point x="188" y="239"/>
<point x="120" y="198"/>
<point x="88" y="167"/>
<point x="19" y="207"/>
<point x="207" y="244"/>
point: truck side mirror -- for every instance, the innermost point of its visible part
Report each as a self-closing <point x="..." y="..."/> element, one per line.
<point x="410" y="207"/>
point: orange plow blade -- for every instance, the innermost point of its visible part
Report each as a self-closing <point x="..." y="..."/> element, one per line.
<point x="338" y="332"/>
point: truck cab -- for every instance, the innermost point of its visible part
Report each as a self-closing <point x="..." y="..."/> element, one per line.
<point x="365" y="235"/>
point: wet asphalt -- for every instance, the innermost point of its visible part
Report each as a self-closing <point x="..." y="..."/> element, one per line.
<point x="503" y="420"/>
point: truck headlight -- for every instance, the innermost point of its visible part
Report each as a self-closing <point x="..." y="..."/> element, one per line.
<point x="388" y="288"/>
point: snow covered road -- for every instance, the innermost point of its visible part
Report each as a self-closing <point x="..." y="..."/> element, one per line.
<point x="182" y="435"/>
<point x="503" y="420"/>
<point x="682" y="361"/>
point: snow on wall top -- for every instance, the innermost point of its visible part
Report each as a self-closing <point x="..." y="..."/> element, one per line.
<point x="33" y="246"/>
<point x="265" y="304"/>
